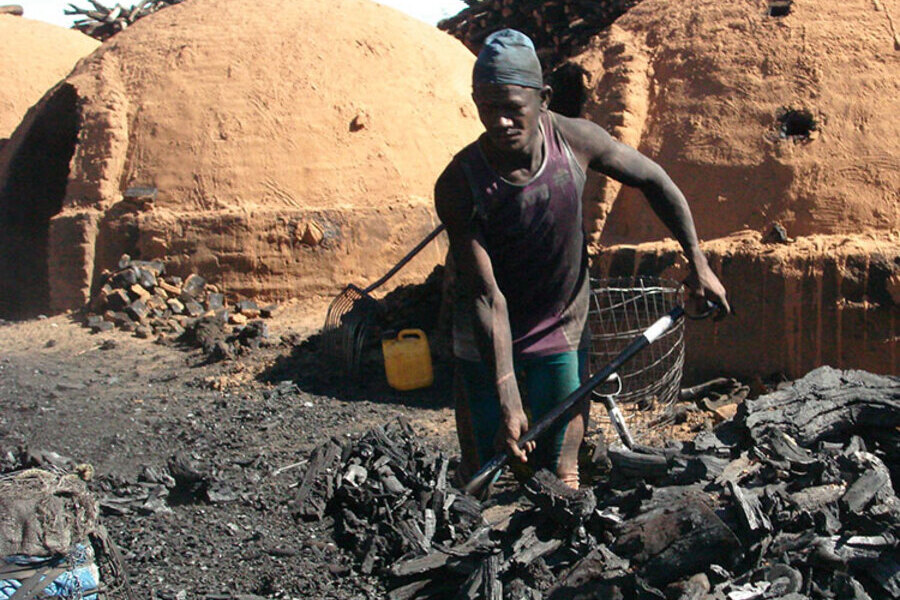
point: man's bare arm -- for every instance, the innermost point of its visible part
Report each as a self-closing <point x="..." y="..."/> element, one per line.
<point x="491" y="319"/>
<point x="597" y="150"/>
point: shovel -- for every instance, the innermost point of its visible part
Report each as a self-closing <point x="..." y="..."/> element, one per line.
<point x="352" y="312"/>
<point x="491" y="470"/>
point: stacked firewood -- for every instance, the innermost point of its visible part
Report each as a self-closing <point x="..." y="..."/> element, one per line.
<point x="139" y="297"/>
<point x="559" y="28"/>
<point x="102" y="22"/>
<point x="791" y="499"/>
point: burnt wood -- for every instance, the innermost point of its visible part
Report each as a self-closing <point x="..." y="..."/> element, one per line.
<point x="676" y="541"/>
<point x="827" y="404"/>
<point x="755" y="521"/>
<point x="563" y="505"/>
<point x="559" y="28"/>
<point x="317" y="487"/>
<point x="528" y="547"/>
<point x="600" y="574"/>
<point x="638" y="465"/>
<point x="760" y="507"/>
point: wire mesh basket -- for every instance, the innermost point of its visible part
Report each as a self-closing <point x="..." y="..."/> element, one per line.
<point x="621" y="309"/>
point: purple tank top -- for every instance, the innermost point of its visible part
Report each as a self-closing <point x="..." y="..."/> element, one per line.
<point x="534" y="236"/>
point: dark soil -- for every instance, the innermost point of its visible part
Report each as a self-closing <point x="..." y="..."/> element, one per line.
<point x="124" y="404"/>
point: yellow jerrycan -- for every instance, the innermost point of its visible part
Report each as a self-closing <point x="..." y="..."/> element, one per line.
<point x="407" y="360"/>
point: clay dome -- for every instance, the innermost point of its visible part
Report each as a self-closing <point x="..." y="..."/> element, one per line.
<point x="761" y="112"/>
<point x="35" y="56"/>
<point x="280" y="151"/>
<point x="776" y="120"/>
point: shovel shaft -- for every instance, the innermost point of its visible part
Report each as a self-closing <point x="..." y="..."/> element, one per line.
<point x="652" y="333"/>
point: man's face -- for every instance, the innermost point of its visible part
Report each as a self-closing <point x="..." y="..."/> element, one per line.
<point x="510" y="114"/>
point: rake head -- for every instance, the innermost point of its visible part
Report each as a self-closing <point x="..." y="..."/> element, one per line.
<point x="348" y="323"/>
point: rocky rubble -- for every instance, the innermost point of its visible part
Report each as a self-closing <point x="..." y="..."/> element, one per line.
<point x="139" y="297"/>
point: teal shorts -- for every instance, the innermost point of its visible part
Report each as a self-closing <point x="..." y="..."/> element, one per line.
<point x="544" y="382"/>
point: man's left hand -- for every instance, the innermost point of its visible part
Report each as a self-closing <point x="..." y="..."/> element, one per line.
<point x="704" y="288"/>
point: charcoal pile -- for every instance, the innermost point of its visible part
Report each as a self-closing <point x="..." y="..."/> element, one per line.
<point x="559" y="28"/>
<point x="183" y="480"/>
<point x="794" y="498"/>
<point x="102" y="22"/>
<point x="389" y="495"/>
<point x="139" y="297"/>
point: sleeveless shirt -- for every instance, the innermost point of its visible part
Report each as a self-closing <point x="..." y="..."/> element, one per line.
<point x="534" y="236"/>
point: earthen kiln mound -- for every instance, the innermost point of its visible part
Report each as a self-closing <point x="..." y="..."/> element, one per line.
<point x="761" y="119"/>
<point x="33" y="57"/>
<point x="282" y="151"/>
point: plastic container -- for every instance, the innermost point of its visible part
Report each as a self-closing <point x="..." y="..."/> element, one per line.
<point x="407" y="360"/>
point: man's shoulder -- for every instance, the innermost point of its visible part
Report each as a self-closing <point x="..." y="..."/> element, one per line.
<point x="453" y="177"/>
<point x="577" y="128"/>
<point x="452" y="194"/>
<point x="586" y="139"/>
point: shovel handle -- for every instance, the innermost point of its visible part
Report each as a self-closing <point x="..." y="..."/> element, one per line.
<point x="650" y="335"/>
<point x="412" y="253"/>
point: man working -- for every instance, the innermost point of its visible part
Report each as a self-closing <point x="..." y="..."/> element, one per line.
<point x="511" y="202"/>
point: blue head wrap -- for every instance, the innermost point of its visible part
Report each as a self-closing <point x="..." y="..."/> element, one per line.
<point x="508" y="58"/>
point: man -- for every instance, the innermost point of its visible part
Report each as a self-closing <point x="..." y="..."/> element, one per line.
<point x="511" y="202"/>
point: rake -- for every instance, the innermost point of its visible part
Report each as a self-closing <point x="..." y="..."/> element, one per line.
<point x="353" y="312"/>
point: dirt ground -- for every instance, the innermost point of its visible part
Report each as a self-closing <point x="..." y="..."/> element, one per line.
<point x="124" y="405"/>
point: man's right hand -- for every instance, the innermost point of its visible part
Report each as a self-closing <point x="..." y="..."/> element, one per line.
<point x="513" y="425"/>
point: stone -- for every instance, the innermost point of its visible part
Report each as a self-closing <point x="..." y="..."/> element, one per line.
<point x="137" y="310"/>
<point x="99" y="301"/>
<point x="101" y="326"/>
<point x="139" y="292"/>
<point x="777" y="235"/>
<point x="146" y="278"/>
<point x="310" y="234"/>
<point x="193" y="286"/>
<point x="194" y="309"/>
<point x="175" y="305"/>
<point x="118" y="300"/>
<point x="119" y="318"/>
<point x="215" y="300"/>
<point x="157" y="305"/>
<point x="125" y="278"/>
<point x="248" y="308"/>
